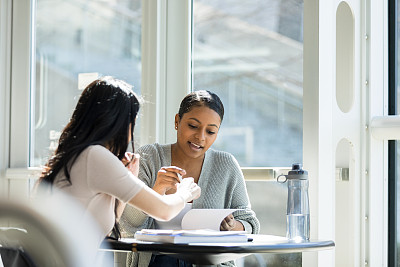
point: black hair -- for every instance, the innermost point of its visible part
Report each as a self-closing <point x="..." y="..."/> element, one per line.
<point x="201" y="98"/>
<point x="104" y="112"/>
<point x="102" y="116"/>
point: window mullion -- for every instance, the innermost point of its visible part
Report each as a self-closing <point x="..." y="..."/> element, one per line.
<point x="178" y="58"/>
<point x="392" y="145"/>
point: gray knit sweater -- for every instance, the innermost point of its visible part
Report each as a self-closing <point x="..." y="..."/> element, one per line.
<point x="222" y="187"/>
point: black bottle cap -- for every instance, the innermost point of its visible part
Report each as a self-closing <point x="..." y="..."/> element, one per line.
<point x="297" y="170"/>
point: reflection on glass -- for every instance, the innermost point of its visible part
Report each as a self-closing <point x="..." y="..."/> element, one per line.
<point x="74" y="37"/>
<point x="251" y="55"/>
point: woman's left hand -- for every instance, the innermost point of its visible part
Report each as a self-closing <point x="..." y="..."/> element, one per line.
<point x="131" y="161"/>
<point x="230" y="224"/>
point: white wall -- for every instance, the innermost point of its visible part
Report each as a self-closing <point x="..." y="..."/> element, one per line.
<point x="326" y="125"/>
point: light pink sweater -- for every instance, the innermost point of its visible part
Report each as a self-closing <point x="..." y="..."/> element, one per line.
<point x="98" y="177"/>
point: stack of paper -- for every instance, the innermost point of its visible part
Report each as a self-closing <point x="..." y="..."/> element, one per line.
<point x="191" y="236"/>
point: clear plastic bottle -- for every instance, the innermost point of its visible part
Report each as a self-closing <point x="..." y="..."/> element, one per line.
<point x="298" y="209"/>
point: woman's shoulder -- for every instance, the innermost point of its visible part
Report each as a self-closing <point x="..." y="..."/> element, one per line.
<point x="97" y="148"/>
<point x="99" y="160"/>
<point x="219" y="155"/>
<point x="222" y="162"/>
<point x="153" y="149"/>
<point x="154" y="156"/>
<point x="98" y="152"/>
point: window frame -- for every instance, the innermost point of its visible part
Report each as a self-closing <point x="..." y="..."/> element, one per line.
<point x="392" y="150"/>
<point x="5" y="83"/>
<point x="18" y="68"/>
<point x="166" y="66"/>
<point x="21" y="52"/>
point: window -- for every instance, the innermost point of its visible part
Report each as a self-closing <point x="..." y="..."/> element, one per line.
<point x="252" y="57"/>
<point x="76" y="41"/>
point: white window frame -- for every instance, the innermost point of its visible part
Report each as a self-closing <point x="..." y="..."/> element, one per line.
<point x="166" y="66"/>
<point x="5" y="63"/>
<point x="16" y="52"/>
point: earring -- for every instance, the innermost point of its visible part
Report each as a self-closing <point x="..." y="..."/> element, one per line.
<point x="176" y="127"/>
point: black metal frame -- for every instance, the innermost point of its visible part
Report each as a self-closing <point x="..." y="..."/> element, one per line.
<point x="392" y="144"/>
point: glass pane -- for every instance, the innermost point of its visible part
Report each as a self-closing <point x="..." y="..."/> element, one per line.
<point x="251" y="55"/>
<point x="397" y="197"/>
<point x="75" y="37"/>
<point x="397" y="180"/>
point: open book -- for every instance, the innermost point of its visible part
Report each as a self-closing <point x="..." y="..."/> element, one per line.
<point x="194" y="219"/>
<point x="191" y="236"/>
<point x="193" y="226"/>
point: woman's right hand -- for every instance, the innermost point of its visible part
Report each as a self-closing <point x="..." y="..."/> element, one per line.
<point x="131" y="161"/>
<point x="166" y="207"/>
<point x="167" y="178"/>
<point x="188" y="189"/>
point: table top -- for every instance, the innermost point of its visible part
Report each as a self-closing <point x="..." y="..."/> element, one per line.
<point x="214" y="253"/>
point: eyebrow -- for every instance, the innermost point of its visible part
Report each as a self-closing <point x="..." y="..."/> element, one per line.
<point x="200" y="122"/>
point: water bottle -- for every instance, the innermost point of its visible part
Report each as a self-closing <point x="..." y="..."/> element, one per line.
<point x="298" y="210"/>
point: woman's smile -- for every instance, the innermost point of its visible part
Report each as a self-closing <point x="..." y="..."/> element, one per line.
<point x="195" y="146"/>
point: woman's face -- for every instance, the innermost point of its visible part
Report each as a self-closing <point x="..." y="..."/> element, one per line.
<point x="197" y="130"/>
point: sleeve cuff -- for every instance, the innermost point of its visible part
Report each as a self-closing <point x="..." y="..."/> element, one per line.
<point x="247" y="226"/>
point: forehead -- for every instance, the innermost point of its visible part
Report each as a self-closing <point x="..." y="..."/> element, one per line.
<point x="204" y="114"/>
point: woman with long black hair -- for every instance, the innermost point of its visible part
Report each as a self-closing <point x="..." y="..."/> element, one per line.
<point x="92" y="164"/>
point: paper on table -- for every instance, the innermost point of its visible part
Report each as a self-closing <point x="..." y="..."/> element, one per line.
<point x="202" y="232"/>
<point x="205" y="218"/>
<point x="176" y="222"/>
<point x="190" y="219"/>
<point x="190" y="236"/>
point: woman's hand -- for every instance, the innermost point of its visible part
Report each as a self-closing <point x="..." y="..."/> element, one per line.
<point x="230" y="224"/>
<point x="131" y="161"/>
<point x="165" y="207"/>
<point x="167" y="179"/>
<point x="188" y="190"/>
